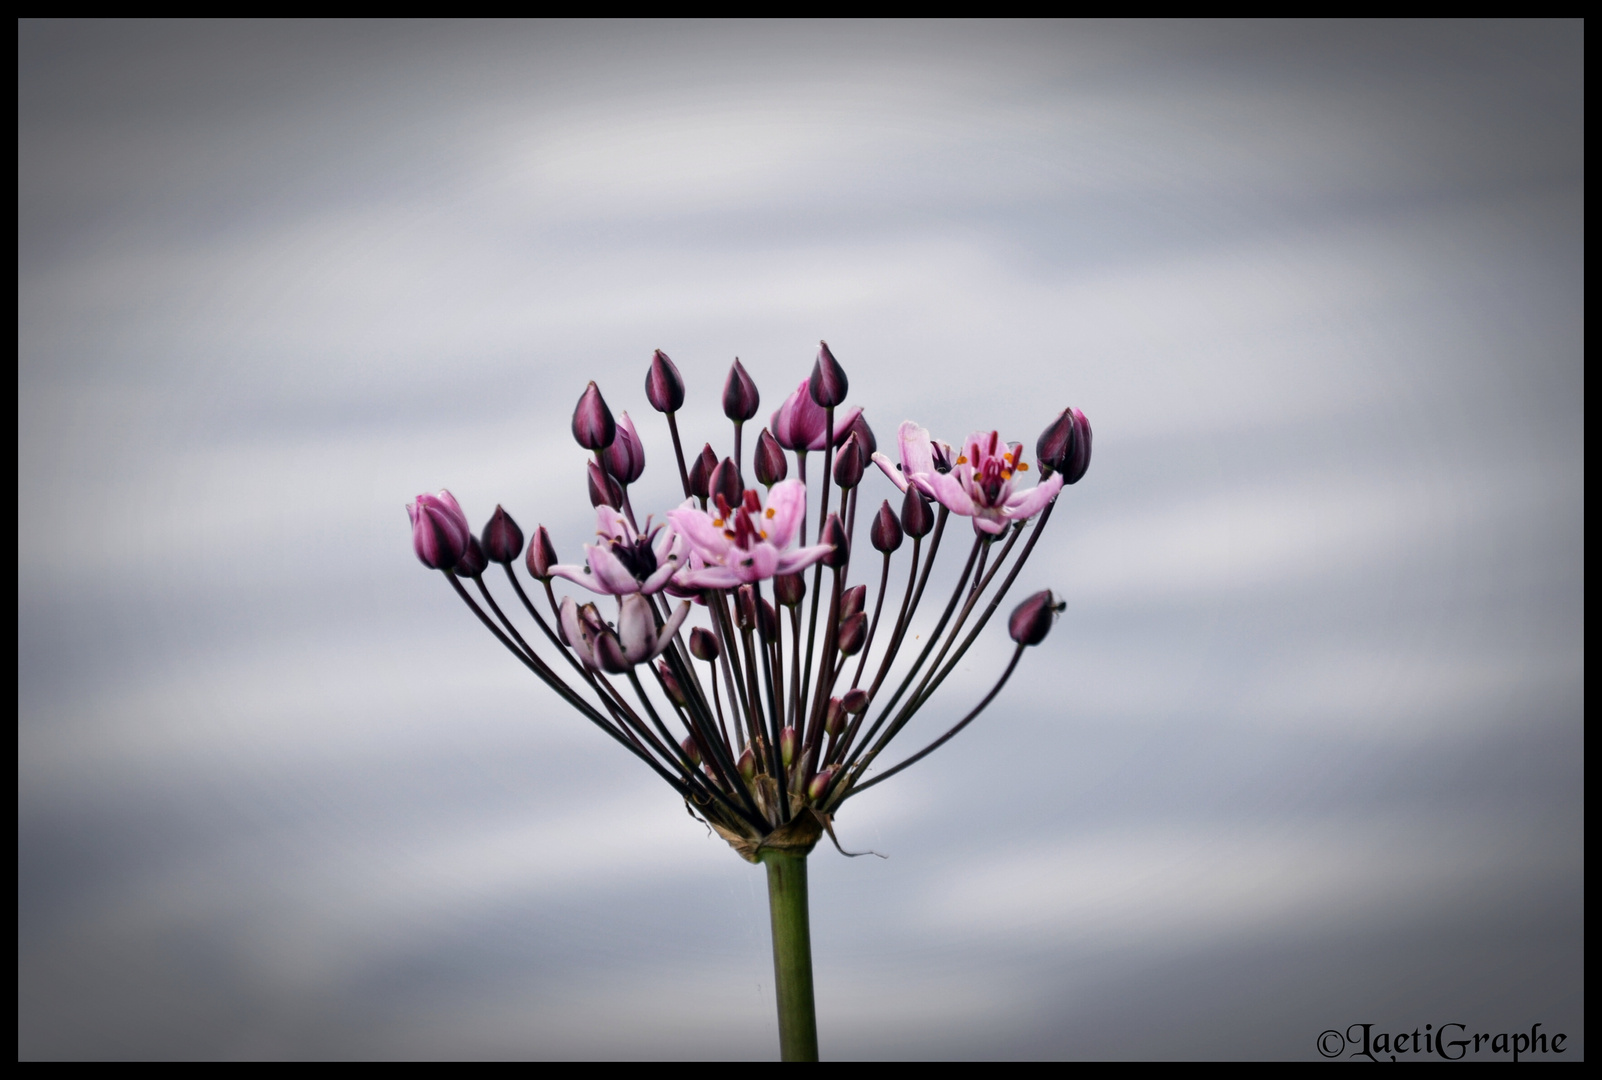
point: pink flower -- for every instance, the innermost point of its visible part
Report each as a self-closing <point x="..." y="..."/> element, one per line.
<point x="439" y="530"/>
<point x="635" y="640"/>
<point x="799" y="422"/>
<point x="977" y="483"/>
<point x="748" y="542"/>
<point x="625" y="562"/>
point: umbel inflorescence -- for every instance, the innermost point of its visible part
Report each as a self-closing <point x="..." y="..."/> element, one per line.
<point x="736" y="658"/>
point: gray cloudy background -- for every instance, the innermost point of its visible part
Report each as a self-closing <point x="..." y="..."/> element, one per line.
<point x="1305" y="750"/>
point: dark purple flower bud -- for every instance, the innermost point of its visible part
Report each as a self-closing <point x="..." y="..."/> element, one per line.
<point x="769" y="463"/>
<point x="788" y="589"/>
<point x="788" y="741"/>
<point x="439" y="530"/>
<point x="703" y="644"/>
<point x="503" y="540"/>
<point x="828" y="384"/>
<point x="593" y="426"/>
<point x="859" y="427"/>
<point x="819" y="787"/>
<point x="746" y="764"/>
<point x="834" y="533"/>
<point x="472" y="563"/>
<point x="917" y="516"/>
<point x="603" y="489"/>
<point x="625" y="458"/>
<point x="855" y="701"/>
<point x="701" y="469"/>
<point x="853" y="632"/>
<point x="1032" y="619"/>
<point x="767" y="622"/>
<point x="740" y="397"/>
<point x="1056" y="444"/>
<point x="726" y="483"/>
<point x="691" y="751"/>
<point x="670" y="683"/>
<point x="1073" y="470"/>
<point x="541" y="555"/>
<point x="848" y="464"/>
<point x="745" y="607"/>
<point x="852" y="601"/>
<point x="664" y="387"/>
<point x="834" y="717"/>
<point x="886" y="532"/>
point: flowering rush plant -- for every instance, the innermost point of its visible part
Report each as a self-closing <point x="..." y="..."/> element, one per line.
<point x="766" y="699"/>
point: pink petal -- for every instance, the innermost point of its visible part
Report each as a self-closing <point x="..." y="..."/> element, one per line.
<point x="636" y="628"/>
<point x="662" y="575"/>
<point x="578" y="575"/>
<point x="1026" y="504"/>
<point x="788" y="501"/>
<point x="800" y="558"/>
<point x="670" y="628"/>
<point x="704" y="537"/>
<point x="610" y="575"/>
<point x="895" y="474"/>
<point x="949" y="492"/>
<point x="612" y="524"/>
<point x="989" y="521"/>
<point x="711" y="577"/>
<point x="916" y="455"/>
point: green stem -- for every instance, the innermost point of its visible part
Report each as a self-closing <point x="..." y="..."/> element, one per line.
<point x="792" y="955"/>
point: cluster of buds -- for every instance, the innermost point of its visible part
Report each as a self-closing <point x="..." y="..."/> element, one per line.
<point x="773" y="709"/>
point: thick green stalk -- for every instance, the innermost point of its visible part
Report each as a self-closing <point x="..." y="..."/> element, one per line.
<point x="792" y="955"/>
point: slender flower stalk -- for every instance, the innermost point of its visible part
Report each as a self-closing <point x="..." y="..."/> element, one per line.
<point x="762" y="738"/>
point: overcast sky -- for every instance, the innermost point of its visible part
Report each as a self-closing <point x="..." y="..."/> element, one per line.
<point x="1304" y="751"/>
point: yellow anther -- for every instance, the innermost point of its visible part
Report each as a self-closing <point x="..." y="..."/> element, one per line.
<point x="1023" y="466"/>
<point x="717" y="523"/>
<point x="768" y="514"/>
<point x="962" y="459"/>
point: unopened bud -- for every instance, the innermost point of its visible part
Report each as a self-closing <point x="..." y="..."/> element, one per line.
<point x="768" y="461"/>
<point x="834" y="534"/>
<point x="828" y="384"/>
<point x="853" y="632"/>
<point x="670" y="683"/>
<point x="593" y="426"/>
<point x="703" y="644"/>
<point x="726" y="482"/>
<point x="788" y="589"/>
<point x="439" y="530"/>
<point x="691" y="751"/>
<point x="767" y="622"/>
<point x="855" y="700"/>
<point x="740" y="397"/>
<point x="664" y="386"/>
<point x="819" y="787"/>
<point x="917" y="516"/>
<point x="1073" y="470"/>
<point x="472" y="563"/>
<point x="788" y="741"/>
<point x="603" y="489"/>
<point x="885" y="535"/>
<point x="746" y="764"/>
<point x="745" y="607"/>
<point x="541" y="555"/>
<point x="625" y="458"/>
<point x="852" y="601"/>
<point x="834" y="717"/>
<point x="503" y="540"/>
<point x="1056" y="444"/>
<point x="848" y="464"/>
<point x="701" y="470"/>
<point x="1032" y="619"/>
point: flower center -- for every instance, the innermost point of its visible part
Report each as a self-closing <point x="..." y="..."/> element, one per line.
<point x="736" y="521"/>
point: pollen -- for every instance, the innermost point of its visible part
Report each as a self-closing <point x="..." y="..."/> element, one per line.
<point x="728" y="534"/>
<point x="962" y="459"/>
<point x="768" y="514"/>
<point x="1023" y="466"/>
<point x="763" y="535"/>
<point x="717" y="522"/>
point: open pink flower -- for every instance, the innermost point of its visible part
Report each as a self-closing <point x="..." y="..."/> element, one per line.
<point x="748" y="542"/>
<point x="977" y="483"/>
<point x="624" y="561"/>
<point x="635" y="640"/>
<point x="799" y="422"/>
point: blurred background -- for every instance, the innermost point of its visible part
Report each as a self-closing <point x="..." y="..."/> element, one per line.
<point x="1305" y="750"/>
